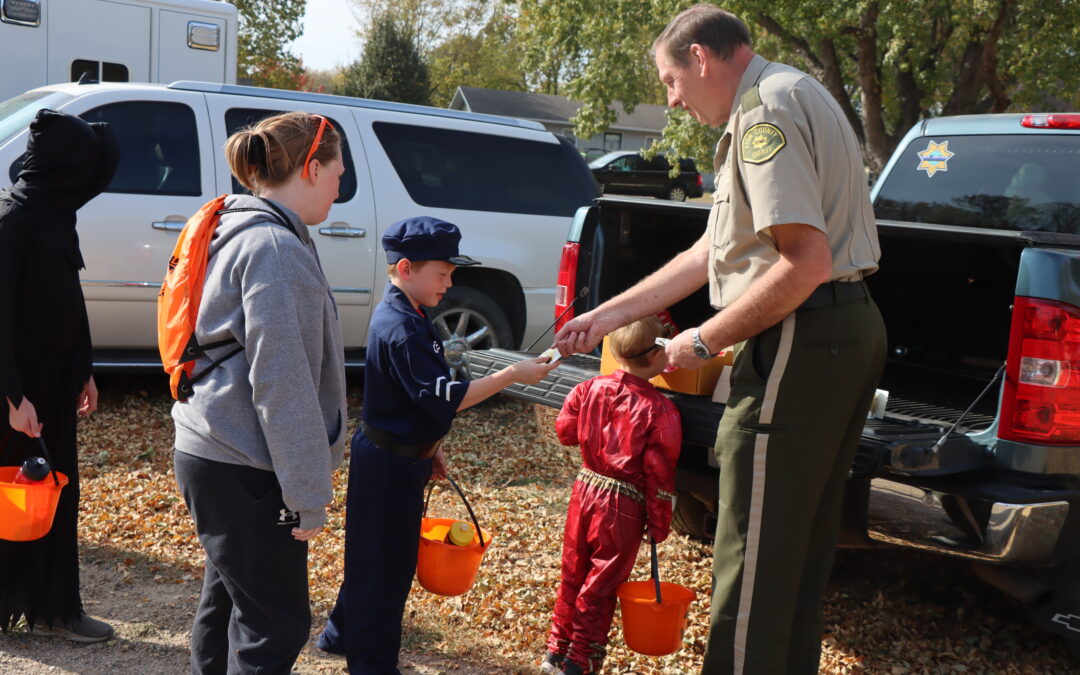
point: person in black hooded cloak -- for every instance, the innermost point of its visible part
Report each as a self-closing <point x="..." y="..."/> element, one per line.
<point x="45" y="366"/>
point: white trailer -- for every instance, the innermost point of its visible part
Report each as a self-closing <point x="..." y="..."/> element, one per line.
<point x="53" y="41"/>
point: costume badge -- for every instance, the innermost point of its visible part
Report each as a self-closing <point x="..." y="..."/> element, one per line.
<point x="934" y="158"/>
<point x="436" y="346"/>
<point x="761" y="142"/>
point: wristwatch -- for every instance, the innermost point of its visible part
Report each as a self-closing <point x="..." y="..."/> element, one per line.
<point x="700" y="350"/>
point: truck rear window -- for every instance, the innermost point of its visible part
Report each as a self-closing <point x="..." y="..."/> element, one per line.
<point x="1001" y="182"/>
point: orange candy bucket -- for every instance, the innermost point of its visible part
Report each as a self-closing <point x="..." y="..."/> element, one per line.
<point x="448" y="569"/>
<point x="27" y="511"/>
<point x="654" y="613"/>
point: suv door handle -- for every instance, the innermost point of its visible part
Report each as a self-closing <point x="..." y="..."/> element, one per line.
<point x="168" y="225"/>
<point x="339" y="231"/>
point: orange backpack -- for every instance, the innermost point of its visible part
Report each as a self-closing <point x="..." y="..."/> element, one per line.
<point x="181" y="294"/>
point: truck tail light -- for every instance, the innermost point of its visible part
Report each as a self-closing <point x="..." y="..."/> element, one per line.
<point x="566" y="283"/>
<point x="1054" y="121"/>
<point x="1040" y="403"/>
<point x="700" y="181"/>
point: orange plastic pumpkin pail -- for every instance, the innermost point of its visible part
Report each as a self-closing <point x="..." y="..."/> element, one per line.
<point x="448" y="569"/>
<point x="26" y="511"/>
<point x="654" y="612"/>
<point x="650" y="628"/>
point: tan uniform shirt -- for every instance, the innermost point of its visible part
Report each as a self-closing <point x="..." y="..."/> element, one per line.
<point x="788" y="155"/>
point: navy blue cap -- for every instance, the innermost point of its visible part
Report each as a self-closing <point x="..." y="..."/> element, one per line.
<point x="424" y="238"/>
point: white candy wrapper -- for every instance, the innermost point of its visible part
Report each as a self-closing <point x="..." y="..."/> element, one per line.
<point x="552" y="354"/>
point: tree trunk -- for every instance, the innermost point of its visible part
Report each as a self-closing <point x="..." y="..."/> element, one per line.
<point x="876" y="147"/>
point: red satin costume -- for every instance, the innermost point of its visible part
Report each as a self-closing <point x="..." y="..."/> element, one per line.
<point x="630" y="435"/>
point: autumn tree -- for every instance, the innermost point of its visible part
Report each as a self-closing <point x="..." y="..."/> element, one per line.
<point x="390" y="68"/>
<point x="477" y="58"/>
<point x="266" y="29"/>
<point x="889" y="64"/>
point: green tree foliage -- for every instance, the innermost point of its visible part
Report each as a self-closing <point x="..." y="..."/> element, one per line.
<point x="483" y="58"/>
<point x="266" y="28"/>
<point x="889" y="63"/>
<point x="391" y="67"/>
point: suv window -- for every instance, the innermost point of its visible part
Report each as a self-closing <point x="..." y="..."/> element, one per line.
<point x="159" y="152"/>
<point x="483" y="172"/>
<point x="1001" y="182"/>
<point x="238" y="118"/>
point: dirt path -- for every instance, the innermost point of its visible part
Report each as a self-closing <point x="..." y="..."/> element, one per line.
<point x="153" y="623"/>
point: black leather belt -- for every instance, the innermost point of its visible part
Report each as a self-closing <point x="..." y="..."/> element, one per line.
<point x="836" y="293"/>
<point x="387" y="442"/>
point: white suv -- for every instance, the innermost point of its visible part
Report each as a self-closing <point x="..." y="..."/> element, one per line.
<point x="511" y="187"/>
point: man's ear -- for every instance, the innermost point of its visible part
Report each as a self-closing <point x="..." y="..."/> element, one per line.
<point x="699" y="58"/>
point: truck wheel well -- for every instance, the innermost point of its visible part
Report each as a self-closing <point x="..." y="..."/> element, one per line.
<point x="503" y="288"/>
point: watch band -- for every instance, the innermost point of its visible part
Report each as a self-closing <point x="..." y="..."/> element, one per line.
<point x="701" y="350"/>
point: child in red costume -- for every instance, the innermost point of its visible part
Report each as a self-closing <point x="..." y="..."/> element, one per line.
<point x="630" y="435"/>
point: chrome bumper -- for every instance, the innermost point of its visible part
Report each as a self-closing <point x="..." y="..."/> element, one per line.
<point x="1014" y="533"/>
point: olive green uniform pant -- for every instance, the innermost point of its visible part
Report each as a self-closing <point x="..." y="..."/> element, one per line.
<point x="800" y="392"/>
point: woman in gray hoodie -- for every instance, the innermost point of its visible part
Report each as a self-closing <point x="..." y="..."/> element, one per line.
<point x="261" y="432"/>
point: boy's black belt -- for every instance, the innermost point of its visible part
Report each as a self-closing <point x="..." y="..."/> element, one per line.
<point x="388" y="442"/>
<point x="836" y="293"/>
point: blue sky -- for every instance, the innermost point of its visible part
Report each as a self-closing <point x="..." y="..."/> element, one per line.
<point x="329" y="38"/>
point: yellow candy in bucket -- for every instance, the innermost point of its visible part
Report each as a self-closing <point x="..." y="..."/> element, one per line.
<point x="450" y="551"/>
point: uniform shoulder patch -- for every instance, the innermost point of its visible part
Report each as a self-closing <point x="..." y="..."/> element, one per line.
<point x="761" y="142"/>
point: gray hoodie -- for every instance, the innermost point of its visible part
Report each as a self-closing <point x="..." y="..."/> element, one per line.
<point x="279" y="405"/>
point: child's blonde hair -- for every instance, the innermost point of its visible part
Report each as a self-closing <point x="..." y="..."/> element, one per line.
<point x="417" y="265"/>
<point x="632" y="343"/>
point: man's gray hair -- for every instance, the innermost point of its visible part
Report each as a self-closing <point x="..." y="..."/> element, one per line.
<point x="719" y="30"/>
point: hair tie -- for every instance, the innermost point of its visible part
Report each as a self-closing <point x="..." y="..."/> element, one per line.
<point x="257" y="151"/>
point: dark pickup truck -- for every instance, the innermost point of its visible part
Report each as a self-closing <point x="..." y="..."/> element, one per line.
<point x="977" y="453"/>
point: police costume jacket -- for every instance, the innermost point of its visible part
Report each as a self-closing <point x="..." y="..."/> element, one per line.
<point x="279" y="405"/>
<point x="408" y="390"/>
<point x="630" y="435"/>
<point x="45" y="352"/>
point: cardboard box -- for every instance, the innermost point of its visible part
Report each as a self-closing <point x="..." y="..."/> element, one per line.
<point x="700" y="381"/>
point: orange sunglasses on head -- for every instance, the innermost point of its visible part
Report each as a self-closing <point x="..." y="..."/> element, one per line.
<point x="315" y="144"/>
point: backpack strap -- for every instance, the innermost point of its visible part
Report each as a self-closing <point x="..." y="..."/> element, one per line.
<point x="194" y="350"/>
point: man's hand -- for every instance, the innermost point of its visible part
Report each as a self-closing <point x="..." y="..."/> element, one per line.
<point x="438" y="464"/>
<point x="87" y="400"/>
<point x="531" y="371"/>
<point x="680" y="352"/>
<point x="583" y="333"/>
<point x="305" y="535"/>
<point x="24" y="418"/>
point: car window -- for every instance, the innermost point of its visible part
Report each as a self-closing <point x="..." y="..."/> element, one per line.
<point x="159" y="148"/>
<point x="627" y="163"/>
<point x="658" y="163"/>
<point x="1002" y="182"/>
<point x="16" y="113"/>
<point x="238" y="118"/>
<point x="484" y="172"/>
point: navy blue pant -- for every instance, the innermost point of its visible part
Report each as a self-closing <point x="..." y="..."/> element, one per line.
<point x="382" y="534"/>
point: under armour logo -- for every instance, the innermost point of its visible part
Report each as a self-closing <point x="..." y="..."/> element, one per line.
<point x="436" y="346"/>
<point x="1070" y="621"/>
<point x="288" y="517"/>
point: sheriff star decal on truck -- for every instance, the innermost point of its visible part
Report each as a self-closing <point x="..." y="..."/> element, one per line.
<point x="934" y="158"/>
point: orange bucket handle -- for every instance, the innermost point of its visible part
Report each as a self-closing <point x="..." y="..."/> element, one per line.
<point x="44" y="451"/>
<point x="655" y="568"/>
<point x="479" y="532"/>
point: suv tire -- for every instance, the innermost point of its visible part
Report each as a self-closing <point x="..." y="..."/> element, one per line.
<point x="468" y="319"/>
<point x="677" y="193"/>
<point x="691" y="517"/>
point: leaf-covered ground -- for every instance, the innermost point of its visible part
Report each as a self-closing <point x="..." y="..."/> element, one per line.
<point x="887" y="611"/>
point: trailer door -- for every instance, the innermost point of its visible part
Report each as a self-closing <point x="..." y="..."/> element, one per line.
<point x="22" y="41"/>
<point x="191" y="47"/>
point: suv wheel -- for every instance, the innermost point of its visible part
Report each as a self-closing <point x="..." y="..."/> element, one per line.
<point x="677" y="193"/>
<point x="468" y="319"/>
<point x="692" y="518"/>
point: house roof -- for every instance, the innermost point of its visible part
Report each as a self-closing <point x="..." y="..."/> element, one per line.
<point x="552" y="108"/>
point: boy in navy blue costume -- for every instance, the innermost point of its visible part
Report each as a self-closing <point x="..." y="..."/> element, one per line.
<point x="409" y="404"/>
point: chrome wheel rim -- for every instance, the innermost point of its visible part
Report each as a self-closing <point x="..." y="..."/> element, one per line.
<point x="463" y="330"/>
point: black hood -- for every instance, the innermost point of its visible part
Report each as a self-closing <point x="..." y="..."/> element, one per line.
<point x="67" y="163"/>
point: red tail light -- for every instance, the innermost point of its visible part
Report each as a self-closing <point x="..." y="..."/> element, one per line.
<point x="1041" y="400"/>
<point x="1055" y="121"/>
<point x="566" y="284"/>
<point x="700" y="181"/>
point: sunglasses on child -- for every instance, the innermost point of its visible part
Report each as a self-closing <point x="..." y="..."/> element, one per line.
<point x="315" y="144"/>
